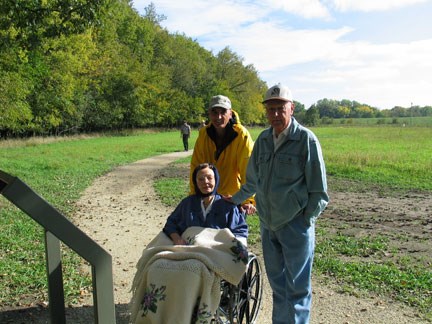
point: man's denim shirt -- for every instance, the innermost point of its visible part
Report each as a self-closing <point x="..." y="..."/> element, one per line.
<point x="289" y="182"/>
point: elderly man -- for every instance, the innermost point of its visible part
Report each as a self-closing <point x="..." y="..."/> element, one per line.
<point x="286" y="171"/>
<point x="225" y="143"/>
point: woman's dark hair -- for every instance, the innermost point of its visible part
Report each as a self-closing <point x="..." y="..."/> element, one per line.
<point x="194" y="180"/>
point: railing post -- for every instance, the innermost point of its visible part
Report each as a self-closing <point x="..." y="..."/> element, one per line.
<point x="102" y="292"/>
<point x="58" y="228"/>
<point x="55" y="278"/>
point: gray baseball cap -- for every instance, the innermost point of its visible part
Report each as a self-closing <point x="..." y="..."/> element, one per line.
<point x="220" y="101"/>
<point x="278" y="92"/>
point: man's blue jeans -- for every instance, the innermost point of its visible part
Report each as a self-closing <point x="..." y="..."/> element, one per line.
<point x="288" y="256"/>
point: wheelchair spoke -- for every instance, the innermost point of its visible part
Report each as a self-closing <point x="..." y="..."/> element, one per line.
<point x="240" y="304"/>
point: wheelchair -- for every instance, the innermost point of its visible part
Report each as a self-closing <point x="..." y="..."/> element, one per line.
<point x="240" y="304"/>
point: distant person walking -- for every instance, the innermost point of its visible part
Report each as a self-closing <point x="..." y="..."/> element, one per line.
<point x="185" y="132"/>
<point x="286" y="171"/>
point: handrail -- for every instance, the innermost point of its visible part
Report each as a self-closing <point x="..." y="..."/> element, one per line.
<point x="59" y="228"/>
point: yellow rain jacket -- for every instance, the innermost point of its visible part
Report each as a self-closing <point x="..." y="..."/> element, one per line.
<point x="232" y="160"/>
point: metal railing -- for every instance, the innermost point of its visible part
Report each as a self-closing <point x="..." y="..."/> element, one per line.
<point x="58" y="228"/>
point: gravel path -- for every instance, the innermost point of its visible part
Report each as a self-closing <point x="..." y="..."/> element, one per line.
<point x="122" y="213"/>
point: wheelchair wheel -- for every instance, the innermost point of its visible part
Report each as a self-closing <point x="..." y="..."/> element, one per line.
<point x="240" y="304"/>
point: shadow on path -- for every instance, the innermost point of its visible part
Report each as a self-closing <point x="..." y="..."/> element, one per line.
<point x="75" y="315"/>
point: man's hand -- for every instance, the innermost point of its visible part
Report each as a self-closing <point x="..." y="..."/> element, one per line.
<point x="248" y="208"/>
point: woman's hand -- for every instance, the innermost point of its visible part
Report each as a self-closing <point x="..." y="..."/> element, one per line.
<point x="180" y="241"/>
<point x="177" y="239"/>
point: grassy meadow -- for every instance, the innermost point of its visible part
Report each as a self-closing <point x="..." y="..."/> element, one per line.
<point x="398" y="157"/>
<point x="59" y="170"/>
<point x="393" y="121"/>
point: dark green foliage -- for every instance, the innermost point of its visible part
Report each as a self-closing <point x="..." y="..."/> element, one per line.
<point x="77" y="65"/>
<point x="352" y="109"/>
<point x="29" y="22"/>
<point x="69" y="66"/>
<point x="312" y="116"/>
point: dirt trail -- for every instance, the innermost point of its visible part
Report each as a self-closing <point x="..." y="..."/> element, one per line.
<point x="122" y="213"/>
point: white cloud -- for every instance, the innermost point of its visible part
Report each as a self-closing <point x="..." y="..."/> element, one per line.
<point x="371" y="5"/>
<point x="317" y="62"/>
<point x="270" y="47"/>
<point x="379" y="75"/>
<point x="304" y="8"/>
<point x="197" y="18"/>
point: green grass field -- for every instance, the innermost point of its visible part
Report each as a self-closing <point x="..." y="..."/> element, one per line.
<point x="388" y="121"/>
<point x="396" y="157"/>
<point x="387" y="156"/>
<point x="59" y="171"/>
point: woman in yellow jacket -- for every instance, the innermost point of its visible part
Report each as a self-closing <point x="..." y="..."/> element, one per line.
<point x="228" y="145"/>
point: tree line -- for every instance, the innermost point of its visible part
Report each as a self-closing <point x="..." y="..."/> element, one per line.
<point x="78" y="65"/>
<point x="70" y="66"/>
<point x="326" y="110"/>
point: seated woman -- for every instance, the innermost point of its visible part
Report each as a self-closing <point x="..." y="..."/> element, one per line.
<point x="203" y="241"/>
<point x="206" y="209"/>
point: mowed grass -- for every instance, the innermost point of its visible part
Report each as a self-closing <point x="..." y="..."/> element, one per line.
<point x="59" y="171"/>
<point x="398" y="157"/>
<point x="393" y="121"/>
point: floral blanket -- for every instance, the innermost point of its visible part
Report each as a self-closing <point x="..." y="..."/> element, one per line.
<point x="181" y="283"/>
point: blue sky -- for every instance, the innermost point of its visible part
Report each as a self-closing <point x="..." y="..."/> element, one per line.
<point x="377" y="52"/>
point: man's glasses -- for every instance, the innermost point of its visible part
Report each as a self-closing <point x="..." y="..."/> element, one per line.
<point x="279" y="110"/>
